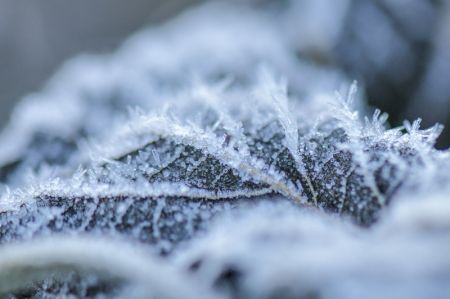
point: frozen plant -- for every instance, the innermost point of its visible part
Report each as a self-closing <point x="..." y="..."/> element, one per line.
<point x="216" y="177"/>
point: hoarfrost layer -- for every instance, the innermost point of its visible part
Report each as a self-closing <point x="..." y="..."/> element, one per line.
<point x="223" y="171"/>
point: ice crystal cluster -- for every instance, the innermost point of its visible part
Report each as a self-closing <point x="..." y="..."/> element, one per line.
<point x="204" y="159"/>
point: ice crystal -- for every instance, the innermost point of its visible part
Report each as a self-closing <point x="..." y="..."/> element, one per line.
<point x="153" y="145"/>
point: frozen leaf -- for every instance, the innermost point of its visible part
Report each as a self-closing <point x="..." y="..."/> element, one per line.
<point x="90" y="95"/>
<point x="203" y="138"/>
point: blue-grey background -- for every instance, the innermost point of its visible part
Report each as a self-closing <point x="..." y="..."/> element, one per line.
<point x="37" y="36"/>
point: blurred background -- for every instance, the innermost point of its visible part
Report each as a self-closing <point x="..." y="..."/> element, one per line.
<point x="399" y="50"/>
<point x="37" y="36"/>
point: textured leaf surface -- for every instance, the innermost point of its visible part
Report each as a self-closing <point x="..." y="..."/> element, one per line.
<point x="186" y="175"/>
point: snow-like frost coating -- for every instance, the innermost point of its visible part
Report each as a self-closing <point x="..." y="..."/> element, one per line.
<point x="280" y="252"/>
<point x="231" y="162"/>
<point x="90" y="95"/>
<point x="20" y="265"/>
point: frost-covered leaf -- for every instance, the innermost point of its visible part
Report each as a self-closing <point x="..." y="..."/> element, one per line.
<point x="151" y="145"/>
<point x="90" y="96"/>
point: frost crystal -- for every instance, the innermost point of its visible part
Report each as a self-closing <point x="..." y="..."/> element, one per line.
<point x="230" y="177"/>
